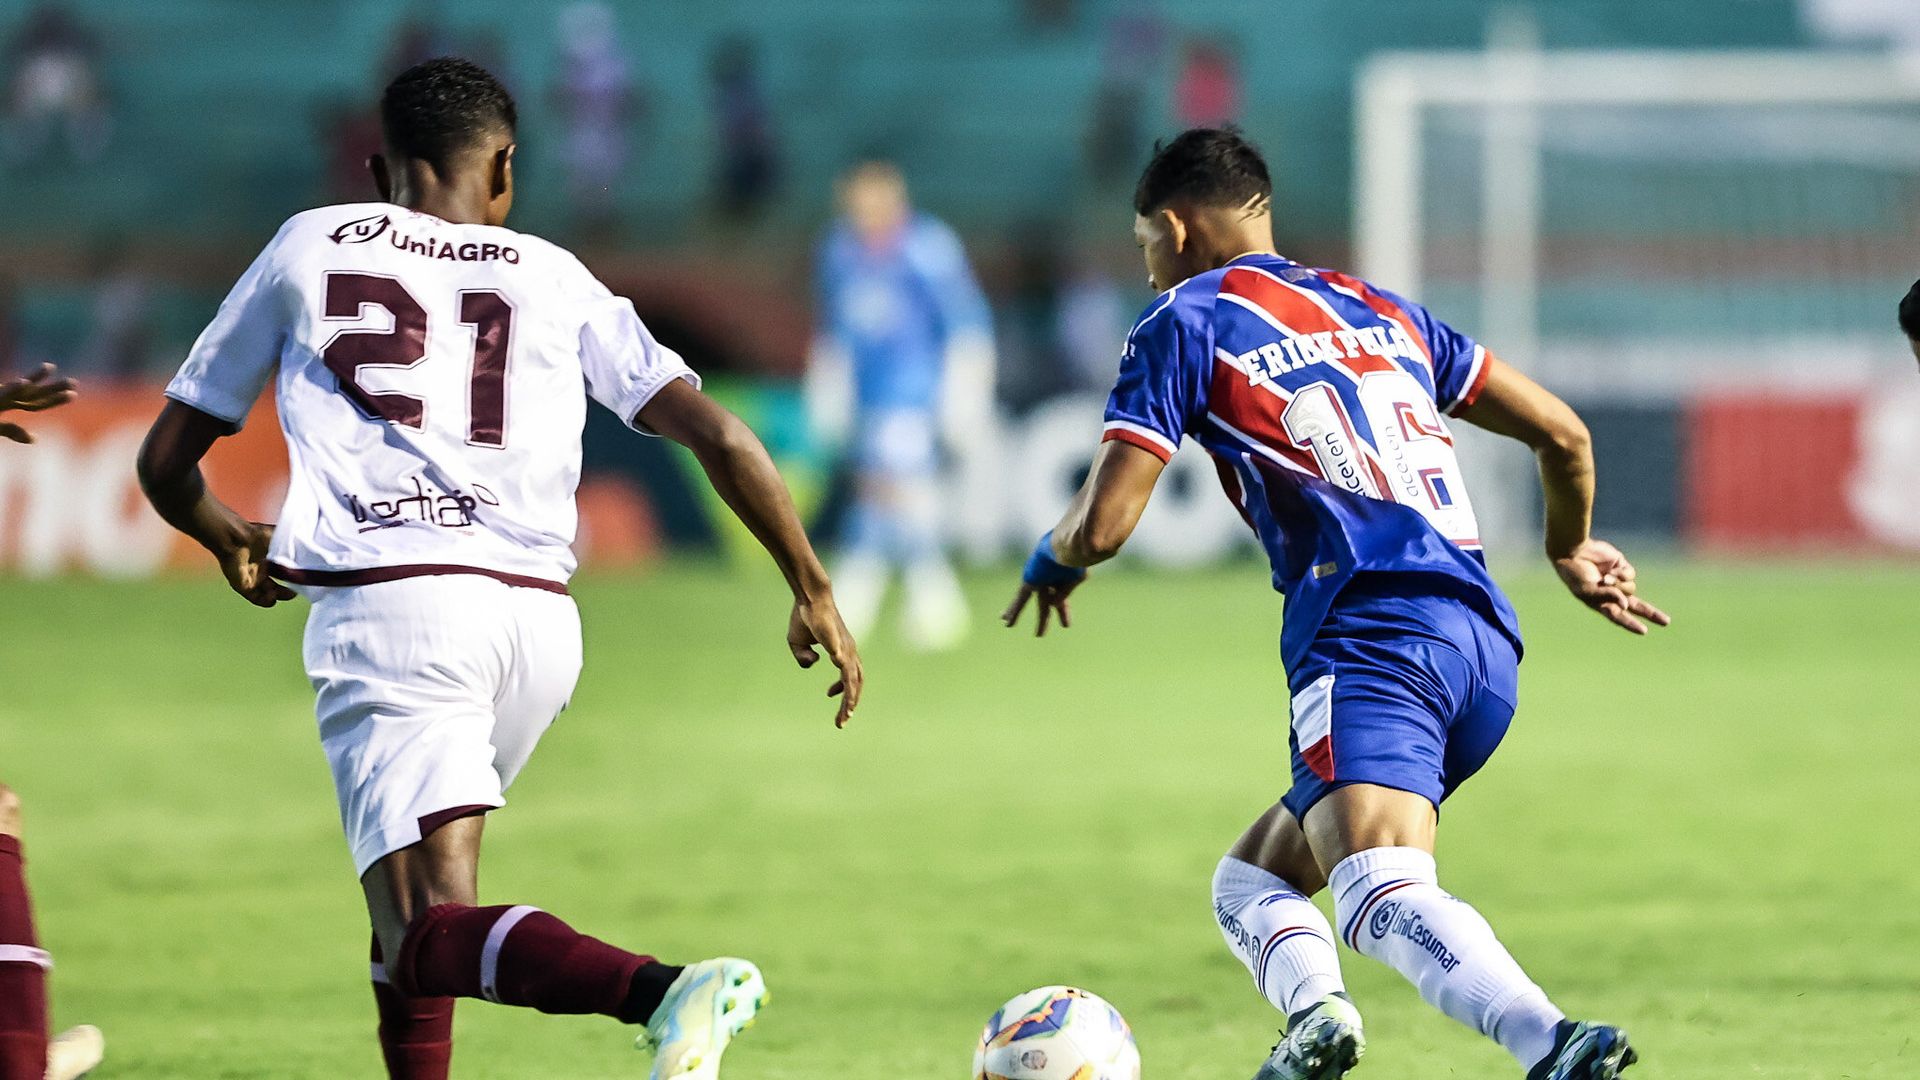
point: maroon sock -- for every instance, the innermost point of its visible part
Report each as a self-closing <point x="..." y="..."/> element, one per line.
<point x="522" y="956"/>
<point x="416" y="1034"/>
<point x="23" y="974"/>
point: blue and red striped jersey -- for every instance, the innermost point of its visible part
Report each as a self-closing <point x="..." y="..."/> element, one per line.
<point x="1321" y="400"/>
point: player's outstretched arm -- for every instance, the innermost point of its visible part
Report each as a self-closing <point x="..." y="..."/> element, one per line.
<point x="169" y="468"/>
<point x="38" y="392"/>
<point x="1593" y="570"/>
<point x="742" y="473"/>
<point x="1103" y="515"/>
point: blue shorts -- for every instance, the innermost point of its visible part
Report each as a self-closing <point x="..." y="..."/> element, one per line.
<point x="1408" y="692"/>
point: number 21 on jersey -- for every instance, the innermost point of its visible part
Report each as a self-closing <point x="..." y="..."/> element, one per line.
<point x="489" y="314"/>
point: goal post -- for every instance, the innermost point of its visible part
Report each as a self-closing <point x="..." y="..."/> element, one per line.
<point x="1644" y="225"/>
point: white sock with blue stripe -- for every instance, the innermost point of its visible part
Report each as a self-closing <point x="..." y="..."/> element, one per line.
<point x="1389" y="905"/>
<point x="1278" y="933"/>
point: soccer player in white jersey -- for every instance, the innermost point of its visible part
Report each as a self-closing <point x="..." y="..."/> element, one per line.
<point x="432" y="375"/>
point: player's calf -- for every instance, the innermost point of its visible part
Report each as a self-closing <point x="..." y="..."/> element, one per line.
<point x="520" y="955"/>
<point x="23" y="964"/>
<point x="416" y="1033"/>
<point x="523" y="956"/>
<point x="1278" y="934"/>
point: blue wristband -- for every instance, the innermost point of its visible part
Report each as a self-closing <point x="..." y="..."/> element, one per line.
<point x="1045" y="571"/>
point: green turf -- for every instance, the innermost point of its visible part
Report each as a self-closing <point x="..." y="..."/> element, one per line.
<point x="1706" y="837"/>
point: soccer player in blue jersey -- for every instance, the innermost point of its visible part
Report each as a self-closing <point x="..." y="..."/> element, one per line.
<point x="1320" y="398"/>
<point x="904" y="354"/>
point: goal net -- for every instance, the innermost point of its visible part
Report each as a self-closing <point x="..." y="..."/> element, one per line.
<point x="1665" y="238"/>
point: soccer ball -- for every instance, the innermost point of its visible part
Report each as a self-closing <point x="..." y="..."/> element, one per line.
<point x="1057" y="1033"/>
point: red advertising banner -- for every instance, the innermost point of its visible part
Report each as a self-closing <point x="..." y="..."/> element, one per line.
<point x="1803" y="471"/>
<point x="71" y="502"/>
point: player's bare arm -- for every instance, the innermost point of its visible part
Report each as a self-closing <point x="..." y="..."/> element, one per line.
<point x="1593" y="570"/>
<point x="169" y="467"/>
<point x="1100" y="519"/>
<point x="743" y="474"/>
<point x="38" y="392"/>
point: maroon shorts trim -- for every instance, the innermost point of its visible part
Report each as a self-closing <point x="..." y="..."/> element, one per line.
<point x="373" y="575"/>
<point x="431" y="823"/>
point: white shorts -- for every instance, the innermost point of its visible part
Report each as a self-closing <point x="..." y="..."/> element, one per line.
<point x="901" y="444"/>
<point x="432" y="693"/>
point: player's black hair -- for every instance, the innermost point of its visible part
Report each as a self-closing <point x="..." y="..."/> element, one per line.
<point x="437" y="108"/>
<point x="1209" y="166"/>
<point x="1910" y="313"/>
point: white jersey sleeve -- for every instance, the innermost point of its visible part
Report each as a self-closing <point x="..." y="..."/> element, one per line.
<point x="237" y="353"/>
<point x="623" y="364"/>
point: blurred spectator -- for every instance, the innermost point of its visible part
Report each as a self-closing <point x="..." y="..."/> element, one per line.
<point x="1897" y="21"/>
<point x="749" y="158"/>
<point x="1064" y="320"/>
<point x="1091" y="325"/>
<point x="1208" y="91"/>
<point x="1129" y="57"/>
<point x="1033" y="368"/>
<point x="9" y="327"/>
<point x="487" y="46"/>
<point x="351" y="133"/>
<point x="120" y="339"/>
<point x="1047" y="14"/>
<point x="904" y="354"/>
<point x="419" y="37"/>
<point x="594" y="96"/>
<point x="55" y="90"/>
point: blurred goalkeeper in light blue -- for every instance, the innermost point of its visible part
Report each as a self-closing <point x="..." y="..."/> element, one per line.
<point x="903" y="356"/>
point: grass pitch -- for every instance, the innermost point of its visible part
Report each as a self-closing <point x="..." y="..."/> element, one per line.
<point x="1705" y="836"/>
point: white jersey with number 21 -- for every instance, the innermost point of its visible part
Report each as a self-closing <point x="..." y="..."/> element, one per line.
<point x="432" y="383"/>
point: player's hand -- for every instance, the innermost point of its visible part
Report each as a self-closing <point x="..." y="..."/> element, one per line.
<point x="245" y="565"/>
<point x="1051" y="601"/>
<point x="37" y="392"/>
<point x="1605" y="581"/>
<point x="818" y="623"/>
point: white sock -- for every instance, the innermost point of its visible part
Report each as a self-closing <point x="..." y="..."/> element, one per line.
<point x="859" y="587"/>
<point x="936" y="612"/>
<point x="1278" y="933"/>
<point x="1390" y="907"/>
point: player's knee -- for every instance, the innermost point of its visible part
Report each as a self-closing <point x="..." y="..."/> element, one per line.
<point x="1276" y="844"/>
<point x="1364" y="817"/>
<point x="9" y="812"/>
<point x="1370" y="887"/>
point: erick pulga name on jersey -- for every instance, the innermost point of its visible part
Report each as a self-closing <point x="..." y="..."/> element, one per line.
<point x="1295" y="351"/>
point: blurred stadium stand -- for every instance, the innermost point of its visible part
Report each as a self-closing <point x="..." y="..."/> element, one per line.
<point x="220" y="104"/>
<point x="1022" y="123"/>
